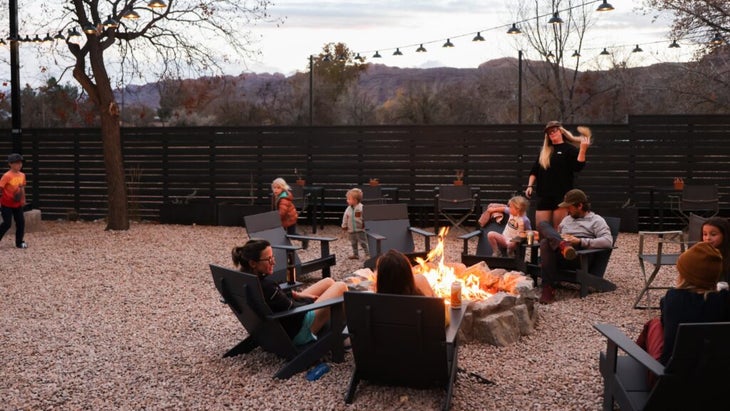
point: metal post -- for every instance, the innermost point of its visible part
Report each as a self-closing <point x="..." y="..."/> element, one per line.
<point x="519" y="87"/>
<point x="16" y="131"/>
<point x="311" y="97"/>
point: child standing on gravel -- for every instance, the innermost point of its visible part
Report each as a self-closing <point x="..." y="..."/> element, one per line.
<point x="353" y="223"/>
<point x="12" y="200"/>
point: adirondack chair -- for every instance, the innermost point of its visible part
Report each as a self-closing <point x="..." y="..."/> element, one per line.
<point x="388" y="227"/>
<point x="268" y="227"/>
<point x="694" y="379"/>
<point x="455" y="203"/>
<point x="242" y="292"/>
<point x="401" y="340"/>
<point x="483" y="251"/>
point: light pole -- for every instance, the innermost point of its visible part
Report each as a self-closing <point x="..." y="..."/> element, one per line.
<point x="311" y="96"/>
<point x="519" y="87"/>
<point x="16" y="131"/>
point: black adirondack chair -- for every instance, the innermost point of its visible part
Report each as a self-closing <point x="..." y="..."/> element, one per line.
<point x="694" y="379"/>
<point x="483" y="251"/>
<point x="401" y="340"/>
<point x="268" y="227"/>
<point x="242" y="292"/>
<point x="388" y="227"/>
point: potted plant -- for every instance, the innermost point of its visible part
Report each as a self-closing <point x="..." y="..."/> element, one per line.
<point x="459" y="177"/>
<point x="678" y="183"/>
<point x="300" y="180"/>
<point x="374" y="182"/>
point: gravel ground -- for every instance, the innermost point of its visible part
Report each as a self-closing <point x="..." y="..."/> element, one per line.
<point x="92" y="319"/>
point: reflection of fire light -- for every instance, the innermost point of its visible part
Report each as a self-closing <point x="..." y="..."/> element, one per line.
<point x="440" y="275"/>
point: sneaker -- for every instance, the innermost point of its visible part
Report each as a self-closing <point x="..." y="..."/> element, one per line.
<point x="567" y="250"/>
<point x="548" y="294"/>
<point x="22" y="245"/>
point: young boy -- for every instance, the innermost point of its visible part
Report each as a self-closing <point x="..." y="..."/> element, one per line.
<point x="352" y="222"/>
<point x="517" y="224"/>
<point x="12" y="200"/>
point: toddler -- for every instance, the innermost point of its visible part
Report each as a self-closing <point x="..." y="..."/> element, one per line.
<point x="352" y="222"/>
<point x="517" y="223"/>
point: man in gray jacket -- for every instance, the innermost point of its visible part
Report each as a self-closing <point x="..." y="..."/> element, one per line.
<point x="581" y="228"/>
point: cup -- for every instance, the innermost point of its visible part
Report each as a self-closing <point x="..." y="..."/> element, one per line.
<point x="530" y="237"/>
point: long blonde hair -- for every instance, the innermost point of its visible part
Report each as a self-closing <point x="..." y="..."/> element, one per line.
<point x="548" y="148"/>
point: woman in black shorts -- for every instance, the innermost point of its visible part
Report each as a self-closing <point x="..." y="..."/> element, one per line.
<point x="554" y="170"/>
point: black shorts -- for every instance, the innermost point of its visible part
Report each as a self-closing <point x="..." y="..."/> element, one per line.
<point x="548" y="203"/>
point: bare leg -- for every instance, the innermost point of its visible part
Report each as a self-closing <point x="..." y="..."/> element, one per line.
<point x="558" y="216"/>
<point x="322" y="316"/>
<point x="543" y="215"/>
<point x="492" y="237"/>
<point x="319" y="287"/>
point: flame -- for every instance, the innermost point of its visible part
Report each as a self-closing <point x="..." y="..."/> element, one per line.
<point x="440" y="275"/>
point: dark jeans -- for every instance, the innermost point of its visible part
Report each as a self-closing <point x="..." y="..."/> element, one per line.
<point x="17" y="214"/>
<point x="551" y="259"/>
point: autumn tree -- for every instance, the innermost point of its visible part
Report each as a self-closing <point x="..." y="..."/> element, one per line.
<point x="333" y="71"/>
<point x="173" y="40"/>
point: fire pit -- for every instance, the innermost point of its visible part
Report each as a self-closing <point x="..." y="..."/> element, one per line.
<point x="501" y="304"/>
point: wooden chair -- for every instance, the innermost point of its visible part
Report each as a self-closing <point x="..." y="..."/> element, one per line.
<point x="455" y="203"/>
<point x="388" y="227"/>
<point x="593" y="264"/>
<point x="267" y="226"/>
<point x="657" y="258"/>
<point x="242" y="292"/>
<point x="401" y="340"/>
<point x="694" y="379"/>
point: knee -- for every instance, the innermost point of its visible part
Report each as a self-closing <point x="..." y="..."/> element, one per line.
<point x="341" y="287"/>
<point x="327" y="281"/>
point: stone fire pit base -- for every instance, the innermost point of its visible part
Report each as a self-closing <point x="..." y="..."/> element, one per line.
<point x="499" y="320"/>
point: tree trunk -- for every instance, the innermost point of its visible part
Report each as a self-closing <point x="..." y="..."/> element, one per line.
<point x="118" y="218"/>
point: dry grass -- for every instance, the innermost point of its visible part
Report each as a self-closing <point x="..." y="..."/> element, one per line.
<point x="130" y="320"/>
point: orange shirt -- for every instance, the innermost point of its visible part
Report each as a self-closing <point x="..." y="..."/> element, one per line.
<point x="13" y="186"/>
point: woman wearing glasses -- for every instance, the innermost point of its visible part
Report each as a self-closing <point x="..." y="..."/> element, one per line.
<point x="257" y="257"/>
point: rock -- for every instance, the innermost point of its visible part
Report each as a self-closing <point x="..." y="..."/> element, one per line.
<point x="499" y="329"/>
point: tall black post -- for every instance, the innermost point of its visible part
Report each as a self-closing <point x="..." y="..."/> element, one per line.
<point x="311" y="80"/>
<point x="519" y="87"/>
<point x="16" y="132"/>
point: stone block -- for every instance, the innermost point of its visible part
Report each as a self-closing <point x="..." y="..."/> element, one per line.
<point x="33" y="222"/>
<point x="499" y="329"/>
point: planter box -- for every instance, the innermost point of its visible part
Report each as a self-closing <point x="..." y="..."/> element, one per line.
<point x="195" y="212"/>
<point x="232" y="214"/>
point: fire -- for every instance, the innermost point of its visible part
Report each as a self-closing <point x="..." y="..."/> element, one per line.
<point x="440" y="275"/>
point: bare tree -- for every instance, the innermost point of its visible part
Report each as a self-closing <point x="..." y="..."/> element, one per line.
<point x="173" y="40"/>
<point x="695" y="18"/>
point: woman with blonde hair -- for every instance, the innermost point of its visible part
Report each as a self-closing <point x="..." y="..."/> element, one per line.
<point x="553" y="173"/>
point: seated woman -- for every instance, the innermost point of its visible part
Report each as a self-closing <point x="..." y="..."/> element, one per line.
<point x="395" y="276"/>
<point x="694" y="299"/>
<point x="257" y="257"/>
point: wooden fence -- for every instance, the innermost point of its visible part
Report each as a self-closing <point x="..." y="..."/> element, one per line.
<point x="235" y="166"/>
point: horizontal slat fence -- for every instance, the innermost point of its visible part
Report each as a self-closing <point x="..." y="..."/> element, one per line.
<point x="236" y="165"/>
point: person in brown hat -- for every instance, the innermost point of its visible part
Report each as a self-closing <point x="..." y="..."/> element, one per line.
<point x="695" y="298"/>
<point x="581" y="228"/>
<point x="554" y="170"/>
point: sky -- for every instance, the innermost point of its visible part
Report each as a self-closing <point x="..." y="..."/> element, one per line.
<point x="367" y="26"/>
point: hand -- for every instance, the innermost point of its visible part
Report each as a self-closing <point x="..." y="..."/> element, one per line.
<point x="573" y="240"/>
<point x="528" y="192"/>
<point x="585" y="142"/>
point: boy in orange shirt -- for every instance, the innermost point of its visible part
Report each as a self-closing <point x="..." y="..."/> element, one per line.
<point x="12" y="200"/>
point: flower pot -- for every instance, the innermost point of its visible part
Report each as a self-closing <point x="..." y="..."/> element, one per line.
<point x="458" y="182"/>
<point x="374" y="182"/>
<point x="679" y="185"/>
<point x="301" y="182"/>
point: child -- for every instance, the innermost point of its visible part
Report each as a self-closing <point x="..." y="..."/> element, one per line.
<point x="12" y="201"/>
<point x="715" y="230"/>
<point x="352" y="223"/>
<point x="518" y="222"/>
<point x="283" y="201"/>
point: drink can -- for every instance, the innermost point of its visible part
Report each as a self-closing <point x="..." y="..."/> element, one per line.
<point x="530" y="237"/>
<point x="456" y="294"/>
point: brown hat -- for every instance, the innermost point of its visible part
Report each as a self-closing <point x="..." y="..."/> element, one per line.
<point x="574" y="197"/>
<point x="552" y="124"/>
<point x="700" y="266"/>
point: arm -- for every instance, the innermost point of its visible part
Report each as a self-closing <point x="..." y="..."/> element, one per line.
<point x="345" y="218"/>
<point x="603" y="239"/>
<point x="531" y="183"/>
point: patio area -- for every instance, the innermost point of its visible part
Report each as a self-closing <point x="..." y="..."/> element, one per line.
<point x="98" y="320"/>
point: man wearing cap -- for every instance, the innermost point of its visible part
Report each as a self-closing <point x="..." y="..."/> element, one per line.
<point x="12" y="199"/>
<point x="581" y="228"/>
